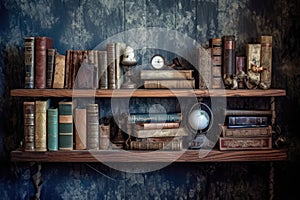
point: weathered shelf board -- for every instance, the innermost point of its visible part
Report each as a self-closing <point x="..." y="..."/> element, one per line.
<point x="149" y="156"/>
<point x="146" y="93"/>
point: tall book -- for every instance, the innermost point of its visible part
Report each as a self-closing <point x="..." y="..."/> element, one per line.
<point x="29" y="62"/>
<point x="52" y="129"/>
<point x="204" y="68"/>
<point x="92" y="126"/>
<point x="68" y="65"/>
<point x="119" y="48"/>
<point x="65" y="112"/>
<point x="59" y="71"/>
<point x="173" y="84"/>
<point x="80" y="128"/>
<point x="96" y="70"/>
<point x="103" y="70"/>
<point x="50" y="67"/>
<point x="41" y="124"/>
<point x="228" y="58"/>
<point x="41" y="46"/>
<point x="155" y="117"/>
<point x="266" y="61"/>
<point x="253" y="60"/>
<point x="111" y="62"/>
<point x="28" y="112"/>
<point x="215" y="45"/>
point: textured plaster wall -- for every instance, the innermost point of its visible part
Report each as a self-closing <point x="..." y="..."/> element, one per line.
<point x="83" y="24"/>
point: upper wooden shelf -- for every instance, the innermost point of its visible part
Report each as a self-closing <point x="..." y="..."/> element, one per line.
<point x="150" y="156"/>
<point x="146" y="93"/>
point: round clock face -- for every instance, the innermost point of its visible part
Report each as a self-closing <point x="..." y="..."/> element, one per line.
<point x="157" y="62"/>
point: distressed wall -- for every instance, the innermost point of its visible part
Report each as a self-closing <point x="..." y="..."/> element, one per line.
<point x="83" y="24"/>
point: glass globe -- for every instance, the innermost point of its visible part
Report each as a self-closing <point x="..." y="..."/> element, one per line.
<point x="199" y="119"/>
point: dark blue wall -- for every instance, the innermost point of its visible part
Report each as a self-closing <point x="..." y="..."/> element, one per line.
<point x="84" y="24"/>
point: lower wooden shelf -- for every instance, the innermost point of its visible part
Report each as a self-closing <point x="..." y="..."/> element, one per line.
<point x="150" y="156"/>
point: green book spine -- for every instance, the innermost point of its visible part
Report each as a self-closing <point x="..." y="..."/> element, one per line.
<point x="65" y="125"/>
<point x="52" y="128"/>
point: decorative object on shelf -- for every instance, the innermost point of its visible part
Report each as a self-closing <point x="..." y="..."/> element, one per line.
<point x="229" y="79"/>
<point x="128" y="62"/>
<point x="200" y="120"/>
<point x="158" y="61"/>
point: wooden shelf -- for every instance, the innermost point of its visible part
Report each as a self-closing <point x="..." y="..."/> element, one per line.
<point x="150" y="156"/>
<point x="146" y="93"/>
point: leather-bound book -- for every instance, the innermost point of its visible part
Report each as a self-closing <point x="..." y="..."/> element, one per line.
<point x="103" y="70"/>
<point x="59" y="71"/>
<point x="92" y="125"/>
<point x="266" y="61"/>
<point x="96" y="70"/>
<point x="111" y="60"/>
<point x="50" y="67"/>
<point x="178" y="84"/>
<point x="41" y="46"/>
<point x="65" y="110"/>
<point x="29" y="62"/>
<point x="104" y="137"/>
<point x="41" y="124"/>
<point x="68" y="63"/>
<point x="52" y="129"/>
<point x="215" y="45"/>
<point x="74" y="66"/>
<point x="228" y="56"/>
<point x="229" y="143"/>
<point x="80" y="128"/>
<point x="204" y="68"/>
<point x="28" y="112"/>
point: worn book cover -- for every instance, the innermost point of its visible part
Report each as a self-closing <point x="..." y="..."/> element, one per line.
<point x="103" y="70"/>
<point x="92" y="127"/>
<point x="172" y="132"/>
<point x="155" y="117"/>
<point x="111" y="62"/>
<point x="29" y="124"/>
<point x="166" y="74"/>
<point x="247" y="121"/>
<point x="266" y="60"/>
<point x="50" y="67"/>
<point x="172" y="84"/>
<point x="157" y="125"/>
<point x="246" y="132"/>
<point x="172" y="144"/>
<point x="41" y="124"/>
<point x="227" y="143"/>
<point x="80" y="128"/>
<point x="52" y="129"/>
<point x="29" y="62"/>
<point x="65" y="109"/>
<point x="253" y="61"/>
<point x="204" y="68"/>
<point x="59" y="71"/>
<point x="104" y="137"/>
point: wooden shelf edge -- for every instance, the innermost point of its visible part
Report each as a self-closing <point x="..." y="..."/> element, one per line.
<point x="119" y="156"/>
<point x="146" y="93"/>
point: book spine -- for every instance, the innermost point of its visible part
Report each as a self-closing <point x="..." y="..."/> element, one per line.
<point x="111" y="60"/>
<point x="119" y="48"/>
<point x="104" y="137"/>
<point x="174" y="144"/>
<point x="28" y="111"/>
<point x="68" y="63"/>
<point x="253" y="60"/>
<point x="245" y="143"/>
<point x="266" y="60"/>
<point x="41" y="125"/>
<point x="50" y="67"/>
<point x="65" y="109"/>
<point x="247" y="112"/>
<point x="29" y="62"/>
<point x="247" y="121"/>
<point x="103" y="70"/>
<point x="228" y="56"/>
<point x="146" y="133"/>
<point x="215" y="45"/>
<point x="92" y="122"/>
<point x="52" y="129"/>
<point x="142" y="118"/>
<point x="41" y="46"/>
<point x="74" y="67"/>
<point x="204" y="68"/>
<point x="246" y="132"/>
<point x="96" y="70"/>
<point x="175" y="84"/>
<point x="163" y="125"/>
<point x="166" y="74"/>
<point x="59" y="71"/>
<point x="80" y="128"/>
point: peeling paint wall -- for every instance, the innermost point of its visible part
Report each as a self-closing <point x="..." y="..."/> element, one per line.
<point x="83" y="24"/>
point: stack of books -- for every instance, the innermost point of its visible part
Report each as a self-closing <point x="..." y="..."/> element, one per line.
<point x="246" y="130"/>
<point x="168" y="78"/>
<point x="156" y="131"/>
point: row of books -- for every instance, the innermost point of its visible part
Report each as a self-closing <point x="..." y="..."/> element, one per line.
<point x="219" y="64"/>
<point x="156" y="131"/>
<point x="246" y="132"/>
<point x="93" y="69"/>
<point x="49" y="128"/>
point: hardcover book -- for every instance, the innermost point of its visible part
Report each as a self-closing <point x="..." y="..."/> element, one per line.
<point x="173" y="144"/>
<point x="204" y="68"/>
<point x="52" y="129"/>
<point x="104" y="137"/>
<point x="29" y="62"/>
<point x="172" y="84"/>
<point x="247" y="121"/>
<point x="147" y="133"/>
<point x="59" y="71"/>
<point x="111" y="61"/>
<point x="166" y="74"/>
<point x="92" y="127"/>
<point x="247" y="112"/>
<point x="29" y="124"/>
<point x="246" y="132"/>
<point x="41" y="46"/>
<point x="215" y="45"/>
<point x="68" y="64"/>
<point x="158" y="125"/>
<point x="156" y="117"/>
<point x="50" y="67"/>
<point x="80" y="128"/>
<point x="103" y="70"/>
<point x="41" y="124"/>
<point x="65" y="110"/>
<point x="245" y="143"/>
<point x="266" y="60"/>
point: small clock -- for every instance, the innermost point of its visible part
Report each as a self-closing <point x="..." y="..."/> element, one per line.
<point x="157" y="61"/>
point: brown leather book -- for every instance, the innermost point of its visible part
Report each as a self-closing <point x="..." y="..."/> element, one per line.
<point x="245" y="143"/>
<point x="104" y="137"/>
<point x="111" y="62"/>
<point x="204" y="68"/>
<point x="29" y="62"/>
<point x="80" y="128"/>
<point x="59" y="71"/>
<point x="103" y="70"/>
<point x="50" y="67"/>
<point x="266" y="61"/>
<point x="92" y="127"/>
<point x="67" y="68"/>
<point x="28" y="112"/>
<point x="228" y="55"/>
<point x="246" y="132"/>
<point x="41" y="46"/>
<point x="41" y="124"/>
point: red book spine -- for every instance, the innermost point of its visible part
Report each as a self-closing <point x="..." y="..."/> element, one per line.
<point x="41" y="46"/>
